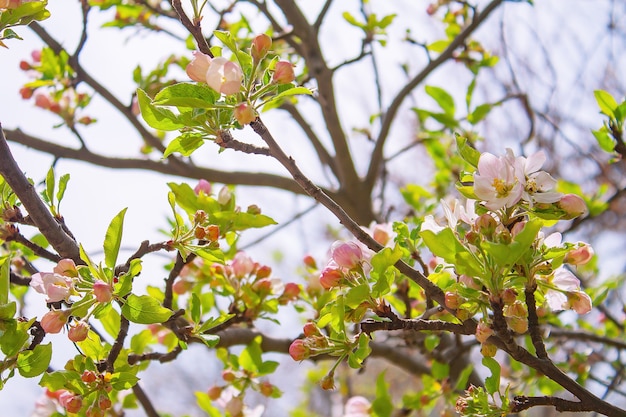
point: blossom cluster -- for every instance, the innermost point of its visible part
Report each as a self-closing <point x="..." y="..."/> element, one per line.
<point x="58" y="286"/>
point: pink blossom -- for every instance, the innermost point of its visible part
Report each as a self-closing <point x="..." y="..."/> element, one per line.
<point x="242" y="265"/>
<point x="203" y="186"/>
<point x="565" y="293"/>
<point x="497" y="182"/>
<point x="44" y="407"/>
<point x="56" y="287"/>
<point x="346" y="254"/>
<point x="198" y="67"/>
<point x="224" y="76"/>
<point x="260" y="46"/>
<point x="357" y="406"/>
<point x="244" y="114"/>
<point x="537" y="184"/>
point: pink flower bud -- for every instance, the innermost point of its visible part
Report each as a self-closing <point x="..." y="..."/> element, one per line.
<point x="309" y="261"/>
<point x="298" y="350"/>
<point x="198" y="67"/>
<point x="452" y="300"/>
<point x="70" y="401"/>
<point x="103" y="291"/>
<point x="54" y="320"/>
<point x="26" y="92"/>
<point x="483" y="331"/>
<point x="78" y="332"/>
<point x="203" y="186"/>
<point x="330" y="277"/>
<point x="234" y="407"/>
<point x="244" y="114"/>
<point x="260" y="45"/>
<point x="346" y="254"/>
<point x="66" y="267"/>
<point x="42" y="101"/>
<point x="382" y="233"/>
<point x="36" y="55"/>
<point x="290" y="293"/>
<point x="214" y="392"/>
<point x="104" y="402"/>
<point x="283" y="73"/>
<point x="310" y="329"/>
<point x="573" y="206"/>
<point x="579" y="256"/>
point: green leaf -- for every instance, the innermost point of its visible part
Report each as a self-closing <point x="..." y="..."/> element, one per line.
<point x="157" y="118"/>
<point x="492" y="383"/>
<point x="144" y="310"/>
<point x="287" y="93"/>
<point x="241" y="221"/>
<point x="113" y="239"/>
<point x="8" y="310"/>
<point x="123" y="380"/>
<point x="445" y="245"/>
<point x="31" y="363"/>
<point x="62" y="187"/>
<point x="5" y="280"/>
<point x="605" y="141"/>
<point x="206" y="405"/>
<point x="356" y="295"/>
<point x="187" y="95"/>
<point x="440" y="370"/>
<point x="194" y="308"/>
<point x="479" y="113"/>
<point x="352" y="20"/>
<point x="184" y="144"/>
<point x="439" y="46"/>
<point x="443" y="98"/>
<point x="227" y="39"/>
<point x="467" y="152"/>
<point x="50" y="186"/>
<point x="382" y="405"/>
<point x="606" y="102"/>
<point x="250" y="358"/>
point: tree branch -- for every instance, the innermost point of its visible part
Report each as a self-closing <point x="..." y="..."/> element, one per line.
<point x="37" y="210"/>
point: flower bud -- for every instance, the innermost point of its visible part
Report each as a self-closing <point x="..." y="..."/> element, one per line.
<point x="452" y="300"/>
<point x="42" y="101"/>
<point x="486" y="225"/>
<point x="260" y="45"/>
<point x="310" y="329"/>
<point x="88" y="377"/>
<point x="234" y="407"/>
<point x="483" y="331"/>
<point x="573" y="206"/>
<point x="54" y="320"/>
<point x="579" y="301"/>
<point x="290" y="293"/>
<point x="253" y="209"/>
<point x="71" y="402"/>
<point x="579" y="256"/>
<point x="214" y="392"/>
<point x="103" y="291"/>
<point x="78" y="332"/>
<point x="212" y="233"/>
<point x="346" y="254"/>
<point x="266" y="388"/>
<point x="283" y="73"/>
<point x="242" y="265"/>
<point x="198" y="67"/>
<point x="330" y="277"/>
<point x="66" y="267"/>
<point x="488" y="350"/>
<point x="224" y="196"/>
<point x="328" y="382"/>
<point x="26" y="92"/>
<point x="228" y="375"/>
<point x="203" y="186"/>
<point x="309" y="261"/>
<point x="104" y="402"/>
<point x="244" y="114"/>
<point x="298" y="350"/>
<point x="509" y="296"/>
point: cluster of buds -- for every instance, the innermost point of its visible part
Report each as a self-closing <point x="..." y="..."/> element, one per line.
<point x="345" y="265"/>
<point x="314" y="343"/>
<point x="94" y="404"/>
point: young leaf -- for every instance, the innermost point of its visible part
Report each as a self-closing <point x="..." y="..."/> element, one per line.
<point x="144" y="310"/>
<point x="157" y="118"/>
<point x="492" y="383"/>
<point x="50" y="186"/>
<point x="443" y="98"/>
<point x="382" y="405"/>
<point x="606" y="102"/>
<point x="468" y="153"/>
<point x="113" y="239"/>
<point x="31" y="363"/>
<point x="184" y="144"/>
<point x="5" y="279"/>
<point x="62" y="187"/>
<point x="187" y="95"/>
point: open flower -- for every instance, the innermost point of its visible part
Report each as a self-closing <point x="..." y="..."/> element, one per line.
<point x="198" y="67"/>
<point x="224" y="76"/>
<point x="497" y="182"/>
<point x="537" y="184"/>
<point x="57" y="287"/>
<point x="565" y="293"/>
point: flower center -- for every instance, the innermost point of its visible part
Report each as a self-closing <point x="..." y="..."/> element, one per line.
<point x="502" y="188"/>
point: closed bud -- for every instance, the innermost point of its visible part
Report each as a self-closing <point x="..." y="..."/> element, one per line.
<point x="310" y="329"/>
<point x="214" y="392"/>
<point x="54" y="320"/>
<point x="452" y="300"/>
<point x="330" y="277"/>
<point x="263" y="272"/>
<point x="572" y="205"/>
<point x="298" y="350"/>
<point x="228" y="375"/>
<point x="488" y="350"/>
<point x="103" y="291"/>
<point x="78" y="332"/>
<point x="328" y="382"/>
<point x="579" y="256"/>
<point x="244" y="114"/>
<point x="88" y="377"/>
<point x="266" y="388"/>
<point x="346" y="254"/>
<point x="260" y="45"/>
<point x="203" y="186"/>
<point x="212" y="233"/>
<point x="283" y="73"/>
<point x="290" y="293"/>
<point x="486" y="225"/>
<point x="26" y="92"/>
<point x="309" y="261"/>
<point x="104" y="402"/>
<point x="483" y="331"/>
